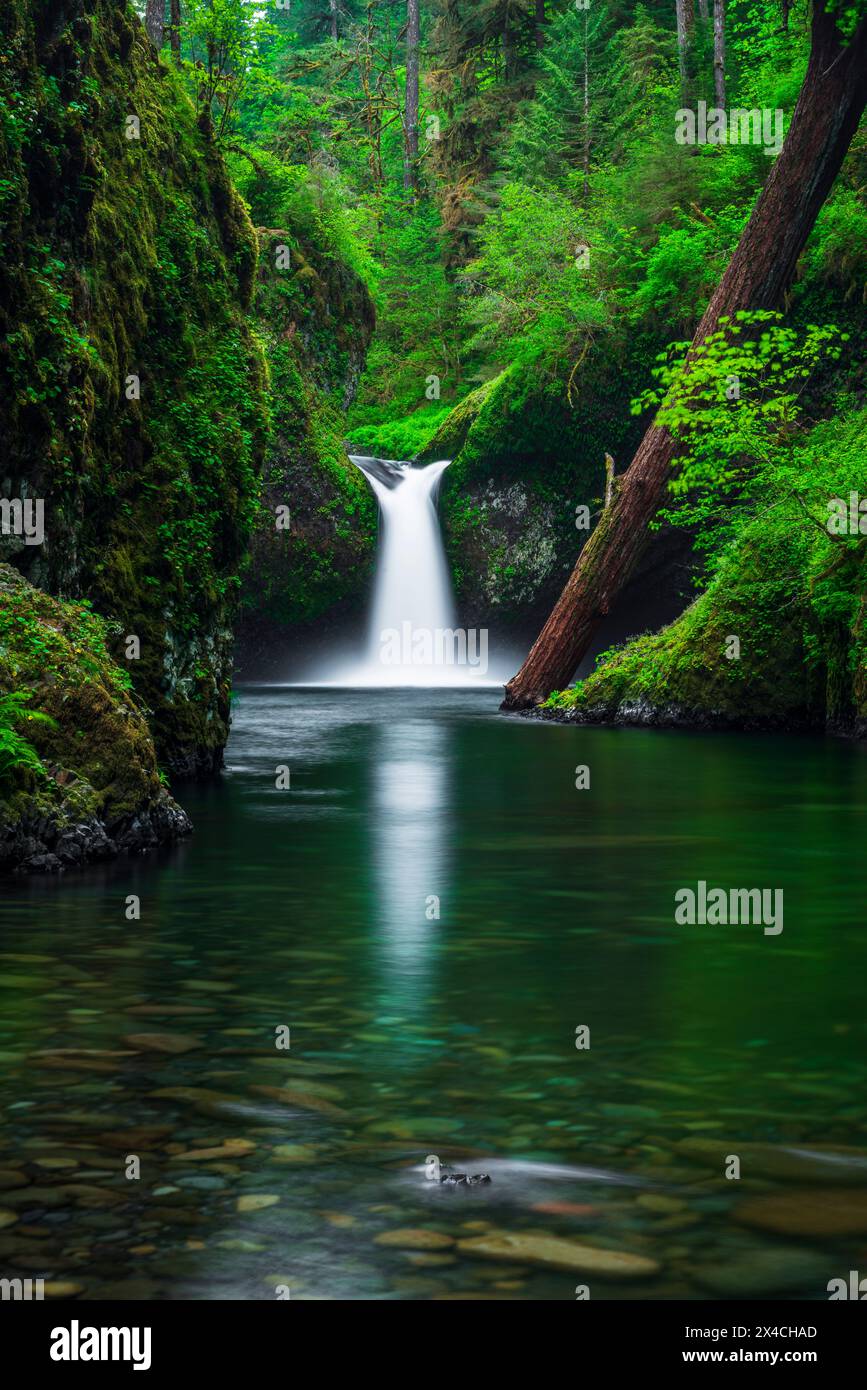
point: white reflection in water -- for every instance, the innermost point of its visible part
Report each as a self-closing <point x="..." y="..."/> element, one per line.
<point x="411" y="858"/>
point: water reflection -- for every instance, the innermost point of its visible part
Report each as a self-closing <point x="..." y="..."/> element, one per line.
<point x="410" y="856"/>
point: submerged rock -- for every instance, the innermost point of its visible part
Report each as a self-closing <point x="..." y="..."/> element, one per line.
<point x="765" y="1273"/>
<point x="807" y="1212"/>
<point x="415" y="1239"/>
<point x="532" y="1248"/>
<point x="822" y="1163"/>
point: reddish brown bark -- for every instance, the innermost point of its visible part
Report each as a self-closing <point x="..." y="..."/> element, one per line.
<point x="825" y="118"/>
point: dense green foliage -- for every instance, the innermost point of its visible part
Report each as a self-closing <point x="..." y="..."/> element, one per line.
<point x="557" y="239"/>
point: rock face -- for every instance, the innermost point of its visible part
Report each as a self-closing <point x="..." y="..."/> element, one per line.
<point x="91" y="788"/>
<point x="310" y="565"/>
<point x="132" y="388"/>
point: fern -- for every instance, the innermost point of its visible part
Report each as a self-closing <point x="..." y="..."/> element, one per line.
<point x="18" y="758"/>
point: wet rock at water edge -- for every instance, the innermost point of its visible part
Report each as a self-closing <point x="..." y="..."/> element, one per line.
<point x="463" y="1179"/>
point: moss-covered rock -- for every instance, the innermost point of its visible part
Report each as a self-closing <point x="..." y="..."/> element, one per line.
<point x="777" y="641"/>
<point x="132" y="389"/>
<point x="524" y="460"/>
<point x="314" y="538"/>
<point x="94" y="788"/>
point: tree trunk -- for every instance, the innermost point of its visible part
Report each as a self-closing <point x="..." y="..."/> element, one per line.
<point x="508" y="45"/>
<point x="786" y="4"/>
<point x="540" y="23"/>
<point x="702" y="9"/>
<point x="685" y="11"/>
<point x="825" y="118"/>
<point x="155" y="14"/>
<point x="333" y="6"/>
<point x="175" y="31"/>
<point x="719" y="54"/>
<point x="410" y="163"/>
<point x="586" y="114"/>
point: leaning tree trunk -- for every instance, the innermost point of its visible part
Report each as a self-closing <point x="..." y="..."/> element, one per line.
<point x="825" y="118"/>
<point x="155" y="15"/>
<point x="410" y="163"/>
<point x="719" y="54"/>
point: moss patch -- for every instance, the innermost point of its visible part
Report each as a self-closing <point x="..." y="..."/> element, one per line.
<point x="99" y="768"/>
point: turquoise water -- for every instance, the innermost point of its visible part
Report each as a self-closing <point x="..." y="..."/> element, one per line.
<point x="432" y="909"/>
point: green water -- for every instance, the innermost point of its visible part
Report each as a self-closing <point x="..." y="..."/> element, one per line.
<point x="311" y="908"/>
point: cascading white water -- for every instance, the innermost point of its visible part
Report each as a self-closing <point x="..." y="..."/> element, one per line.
<point x="412" y="639"/>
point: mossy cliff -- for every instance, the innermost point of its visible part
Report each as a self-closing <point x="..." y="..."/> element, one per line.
<point x="78" y="771"/>
<point x="524" y="460"/>
<point x="132" y="388"/>
<point x="778" y="640"/>
<point x="314" y="538"/>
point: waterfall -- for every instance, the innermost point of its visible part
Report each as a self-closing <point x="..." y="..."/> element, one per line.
<point x="412" y="639"/>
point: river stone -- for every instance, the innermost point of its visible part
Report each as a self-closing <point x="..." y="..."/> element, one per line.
<point x="9" y="1177"/>
<point x="256" y="1201"/>
<point x="529" y="1248"/>
<point x="301" y="1099"/>
<point x="310" y="1085"/>
<point x="807" y="1211"/>
<point x="174" y="1043"/>
<point x="294" y="1153"/>
<point x="193" y="1094"/>
<point x="765" y="1273"/>
<point x="230" y="1148"/>
<point x="7" y="1218"/>
<point x="415" y="1239"/>
<point x="659" y="1202"/>
<point x="795" y="1163"/>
